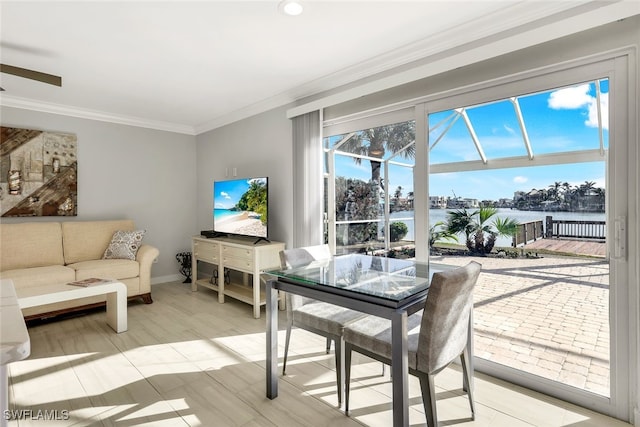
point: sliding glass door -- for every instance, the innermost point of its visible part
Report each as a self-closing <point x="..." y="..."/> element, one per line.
<point x="529" y="176"/>
<point x="528" y="179"/>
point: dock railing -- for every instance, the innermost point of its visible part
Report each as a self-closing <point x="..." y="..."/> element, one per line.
<point x="550" y="228"/>
<point x="576" y="229"/>
<point x="528" y="232"/>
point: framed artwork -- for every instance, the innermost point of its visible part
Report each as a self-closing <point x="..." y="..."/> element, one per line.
<point x="38" y="173"/>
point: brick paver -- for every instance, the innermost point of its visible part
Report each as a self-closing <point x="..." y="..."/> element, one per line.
<point x="547" y="316"/>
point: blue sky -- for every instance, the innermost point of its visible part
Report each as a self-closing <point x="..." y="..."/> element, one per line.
<point x="556" y="121"/>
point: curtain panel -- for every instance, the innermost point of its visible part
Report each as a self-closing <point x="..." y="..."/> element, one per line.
<point x="307" y="180"/>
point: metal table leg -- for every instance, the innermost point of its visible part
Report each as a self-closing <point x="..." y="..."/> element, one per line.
<point x="400" y="369"/>
<point x="272" y="339"/>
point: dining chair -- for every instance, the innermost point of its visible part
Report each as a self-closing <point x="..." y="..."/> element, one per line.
<point x="438" y="335"/>
<point x="321" y="318"/>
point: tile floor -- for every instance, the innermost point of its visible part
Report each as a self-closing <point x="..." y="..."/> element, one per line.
<point x="188" y="361"/>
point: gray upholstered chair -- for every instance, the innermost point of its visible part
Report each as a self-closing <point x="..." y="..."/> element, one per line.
<point x="438" y="335"/>
<point x="314" y="316"/>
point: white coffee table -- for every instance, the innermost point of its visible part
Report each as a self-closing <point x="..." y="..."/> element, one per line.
<point x="116" y="293"/>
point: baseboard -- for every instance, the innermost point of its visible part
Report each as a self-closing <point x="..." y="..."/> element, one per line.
<point x="165" y="279"/>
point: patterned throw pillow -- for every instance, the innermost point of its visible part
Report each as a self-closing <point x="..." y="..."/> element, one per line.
<point x="124" y="245"/>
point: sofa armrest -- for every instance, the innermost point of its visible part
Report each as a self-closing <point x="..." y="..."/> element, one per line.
<point x="146" y="255"/>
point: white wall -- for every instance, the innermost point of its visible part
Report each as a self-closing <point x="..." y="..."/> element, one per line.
<point x="257" y="146"/>
<point x="128" y="172"/>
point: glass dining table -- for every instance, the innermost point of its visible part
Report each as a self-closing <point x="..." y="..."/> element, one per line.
<point x="390" y="288"/>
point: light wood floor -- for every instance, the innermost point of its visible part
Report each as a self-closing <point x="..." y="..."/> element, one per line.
<point x="188" y="361"/>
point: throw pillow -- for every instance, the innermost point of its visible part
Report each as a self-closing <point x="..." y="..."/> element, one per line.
<point x="124" y="245"/>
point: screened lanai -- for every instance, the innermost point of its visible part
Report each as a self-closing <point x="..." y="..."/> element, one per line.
<point x="552" y="129"/>
<point x="527" y="157"/>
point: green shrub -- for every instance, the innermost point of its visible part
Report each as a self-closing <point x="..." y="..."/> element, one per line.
<point x="397" y="230"/>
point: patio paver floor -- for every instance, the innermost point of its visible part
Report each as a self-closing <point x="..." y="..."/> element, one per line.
<point x="546" y="316"/>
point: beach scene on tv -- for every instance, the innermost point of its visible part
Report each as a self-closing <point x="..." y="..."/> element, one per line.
<point x="240" y="207"/>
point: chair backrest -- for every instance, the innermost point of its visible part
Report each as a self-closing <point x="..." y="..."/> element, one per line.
<point x="445" y="320"/>
<point x="297" y="257"/>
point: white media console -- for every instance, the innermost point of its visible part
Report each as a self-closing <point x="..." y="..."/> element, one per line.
<point x="234" y="254"/>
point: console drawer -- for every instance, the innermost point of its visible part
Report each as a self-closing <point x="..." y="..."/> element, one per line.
<point x="241" y="264"/>
<point x="206" y="251"/>
<point x="230" y="251"/>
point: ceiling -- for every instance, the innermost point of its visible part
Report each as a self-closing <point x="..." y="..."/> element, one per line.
<point x="193" y="66"/>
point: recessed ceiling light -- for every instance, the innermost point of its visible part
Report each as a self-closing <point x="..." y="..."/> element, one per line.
<point x="290" y="7"/>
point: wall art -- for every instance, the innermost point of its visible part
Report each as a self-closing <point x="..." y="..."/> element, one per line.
<point x="38" y="173"/>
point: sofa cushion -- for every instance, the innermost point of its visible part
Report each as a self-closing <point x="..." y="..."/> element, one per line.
<point x="39" y="276"/>
<point x="33" y="244"/>
<point x="87" y="240"/>
<point x="106" y="268"/>
<point x="124" y="245"/>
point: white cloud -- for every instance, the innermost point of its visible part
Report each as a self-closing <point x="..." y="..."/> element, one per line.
<point x="570" y="98"/>
<point x="225" y="195"/>
<point x="520" y="179"/>
<point x="604" y="110"/>
<point x="576" y="97"/>
<point x="509" y="130"/>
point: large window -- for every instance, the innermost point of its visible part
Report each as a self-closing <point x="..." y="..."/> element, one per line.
<point x="369" y="172"/>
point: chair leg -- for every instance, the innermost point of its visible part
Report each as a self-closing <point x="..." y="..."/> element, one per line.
<point x="347" y="374"/>
<point x="429" y="399"/>
<point x="328" y="345"/>
<point x="466" y="375"/>
<point x="340" y="364"/>
<point x="286" y="348"/>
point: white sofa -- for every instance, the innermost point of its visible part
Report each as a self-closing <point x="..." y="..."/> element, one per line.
<point x="41" y="253"/>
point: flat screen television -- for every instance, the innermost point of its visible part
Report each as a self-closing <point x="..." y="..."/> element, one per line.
<point x="240" y="207"/>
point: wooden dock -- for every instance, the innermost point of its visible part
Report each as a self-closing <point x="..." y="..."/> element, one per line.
<point x="569" y="246"/>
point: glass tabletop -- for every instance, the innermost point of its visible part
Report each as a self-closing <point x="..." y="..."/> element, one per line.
<point x="388" y="278"/>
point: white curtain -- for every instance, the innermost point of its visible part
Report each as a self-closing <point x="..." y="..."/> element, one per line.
<point x="307" y="180"/>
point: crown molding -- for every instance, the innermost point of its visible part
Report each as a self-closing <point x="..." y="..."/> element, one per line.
<point x="506" y="19"/>
<point x="65" y="110"/>
<point x="536" y="29"/>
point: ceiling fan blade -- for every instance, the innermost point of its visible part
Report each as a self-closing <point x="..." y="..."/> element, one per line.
<point x="30" y="74"/>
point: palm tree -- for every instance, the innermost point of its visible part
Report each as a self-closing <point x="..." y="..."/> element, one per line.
<point x="476" y="224"/>
<point x="375" y="142"/>
<point x="586" y="188"/>
<point x="554" y="190"/>
<point x="567" y="195"/>
<point x="396" y="198"/>
<point x="439" y="231"/>
<point x="460" y="221"/>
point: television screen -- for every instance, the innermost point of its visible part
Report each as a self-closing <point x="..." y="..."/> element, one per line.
<point x="240" y="207"/>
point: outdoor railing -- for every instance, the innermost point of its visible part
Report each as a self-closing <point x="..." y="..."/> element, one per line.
<point x="528" y="232"/>
<point x="576" y="229"/>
